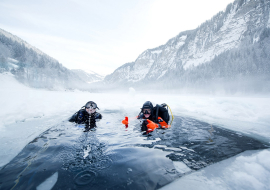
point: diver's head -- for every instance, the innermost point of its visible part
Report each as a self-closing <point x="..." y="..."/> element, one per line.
<point x="91" y="107"/>
<point x="147" y="109"/>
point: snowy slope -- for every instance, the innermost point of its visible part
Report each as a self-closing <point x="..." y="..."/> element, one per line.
<point x="87" y="76"/>
<point x="19" y="40"/>
<point x="33" y="67"/>
<point x="242" y="21"/>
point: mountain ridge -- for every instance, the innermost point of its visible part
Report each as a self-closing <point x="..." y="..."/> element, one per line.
<point x="240" y="24"/>
<point x="18" y="39"/>
<point x="87" y="76"/>
<point x="35" y="68"/>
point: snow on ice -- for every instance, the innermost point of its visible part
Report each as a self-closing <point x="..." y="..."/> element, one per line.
<point x="249" y="170"/>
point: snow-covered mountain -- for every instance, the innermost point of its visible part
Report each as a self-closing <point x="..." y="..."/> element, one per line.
<point x="88" y="76"/>
<point x="244" y="23"/>
<point x="33" y="67"/>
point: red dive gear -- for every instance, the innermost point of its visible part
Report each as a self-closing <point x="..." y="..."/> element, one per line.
<point x="163" y="124"/>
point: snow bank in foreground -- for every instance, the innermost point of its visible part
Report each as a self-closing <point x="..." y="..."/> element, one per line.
<point x="249" y="170"/>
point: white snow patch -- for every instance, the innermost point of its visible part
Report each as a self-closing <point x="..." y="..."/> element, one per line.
<point x="48" y="183"/>
<point x="86" y="152"/>
<point x="162" y="74"/>
<point x="185" y="148"/>
<point x="181" y="41"/>
<point x="179" y="44"/>
<point x="248" y="170"/>
<point x="181" y="167"/>
<point x="268" y="25"/>
<point x="256" y="38"/>
<point x="168" y="148"/>
<point x="156" y="51"/>
<point x="12" y="60"/>
<point x="172" y="148"/>
<point x="12" y="65"/>
<point x="183" y="38"/>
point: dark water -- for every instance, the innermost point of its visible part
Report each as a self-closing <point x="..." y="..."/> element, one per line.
<point x="113" y="157"/>
<point x="200" y="144"/>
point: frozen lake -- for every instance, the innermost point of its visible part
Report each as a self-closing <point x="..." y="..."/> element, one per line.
<point x="206" y="144"/>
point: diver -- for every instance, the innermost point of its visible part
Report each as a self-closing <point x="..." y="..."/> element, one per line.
<point x="87" y="115"/>
<point x="153" y="117"/>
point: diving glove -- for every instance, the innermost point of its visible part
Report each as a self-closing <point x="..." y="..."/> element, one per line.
<point x="151" y="126"/>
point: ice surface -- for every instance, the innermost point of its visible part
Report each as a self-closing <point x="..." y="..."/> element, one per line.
<point x="249" y="170"/>
<point x="181" y="167"/>
<point x="48" y="183"/>
<point x="249" y="115"/>
<point x="268" y="25"/>
<point x="27" y="112"/>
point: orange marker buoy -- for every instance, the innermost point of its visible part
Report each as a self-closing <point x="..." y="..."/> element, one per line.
<point x="125" y="122"/>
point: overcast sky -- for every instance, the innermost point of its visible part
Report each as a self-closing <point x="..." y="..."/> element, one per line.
<point x="102" y="35"/>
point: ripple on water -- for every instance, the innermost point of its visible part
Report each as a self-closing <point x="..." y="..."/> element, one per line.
<point x="84" y="178"/>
